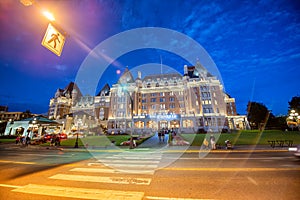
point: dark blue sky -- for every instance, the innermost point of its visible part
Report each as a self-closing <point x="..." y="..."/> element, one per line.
<point x="255" y="45"/>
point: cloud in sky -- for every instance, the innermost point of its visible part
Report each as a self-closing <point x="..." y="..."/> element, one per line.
<point x="248" y="40"/>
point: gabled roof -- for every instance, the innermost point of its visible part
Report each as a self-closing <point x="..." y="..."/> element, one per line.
<point x="70" y="87"/>
<point x="126" y="77"/>
<point x="105" y="90"/>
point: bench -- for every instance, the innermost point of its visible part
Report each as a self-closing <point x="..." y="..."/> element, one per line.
<point x="280" y="143"/>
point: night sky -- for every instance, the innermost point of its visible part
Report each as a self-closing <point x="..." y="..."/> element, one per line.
<point x="254" y="44"/>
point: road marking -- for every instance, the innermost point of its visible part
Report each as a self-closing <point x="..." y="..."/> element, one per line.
<point x="126" y="166"/>
<point x="103" y="179"/>
<point x="133" y="158"/>
<point x="229" y="169"/>
<point x="80" y="193"/>
<point x="226" y="151"/>
<point x="18" y="162"/>
<point x="252" y="180"/>
<point x="128" y="161"/>
<point x="138" y="166"/>
<point x="240" y="158"/>
<point x="172" y="198"/>
<point x="11" y="186"/>
<point x="118" y="171"/>
<point x="48" y="155"/>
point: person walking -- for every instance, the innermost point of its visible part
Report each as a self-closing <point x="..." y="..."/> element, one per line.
<point x="163" y="135"/>
<point x="159" y="136"/>
<point x="213" y="141"/>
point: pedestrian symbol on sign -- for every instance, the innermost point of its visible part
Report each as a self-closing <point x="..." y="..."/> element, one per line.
<point x="53" y="40"/>
<point x="54" y="37"/>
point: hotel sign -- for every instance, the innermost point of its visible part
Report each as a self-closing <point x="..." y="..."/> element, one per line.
<point x="54" y="40"/>
<point x="167" y="117"/>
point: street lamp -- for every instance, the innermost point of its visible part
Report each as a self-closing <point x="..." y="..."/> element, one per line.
<point x="48" y="15"/>
<point x="132" y="123"/>
<point x="76" y="142"/>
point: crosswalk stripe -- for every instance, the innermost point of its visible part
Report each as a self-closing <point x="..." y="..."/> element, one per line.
<point x="134" y="157"/>
<point x="172" y="198"/>
<point x="126" y="166"/>
<point x="80" y="193"/>
<point x="103" y="179"/>
<point x="101" y="170"/>
<point x="128" y="161"/>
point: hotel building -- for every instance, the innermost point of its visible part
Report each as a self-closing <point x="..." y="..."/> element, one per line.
<point x="189" y="103"/>
<point x="194" y="102"/>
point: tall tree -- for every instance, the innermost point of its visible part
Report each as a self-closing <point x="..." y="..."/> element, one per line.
<point x="294" y="104"/>
<point x="258" y="114"/>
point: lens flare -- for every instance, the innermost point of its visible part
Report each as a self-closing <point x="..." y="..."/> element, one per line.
<point x="49" y="15"/>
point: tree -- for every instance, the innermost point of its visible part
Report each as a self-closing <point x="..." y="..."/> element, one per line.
<point x="294" y="104"/>
<point x="293" y="120"/>
<point x="258" y="115"/>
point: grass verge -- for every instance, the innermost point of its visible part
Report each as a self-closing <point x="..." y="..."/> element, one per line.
<point x="244" y="137"/>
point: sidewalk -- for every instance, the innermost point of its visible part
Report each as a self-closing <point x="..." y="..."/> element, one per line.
<point x="152" y="143"/>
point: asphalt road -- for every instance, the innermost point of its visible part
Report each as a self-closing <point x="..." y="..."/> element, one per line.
<point x="110" y="174"/>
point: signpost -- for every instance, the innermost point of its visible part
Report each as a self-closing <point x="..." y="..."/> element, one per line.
<point x="54" y="40"/>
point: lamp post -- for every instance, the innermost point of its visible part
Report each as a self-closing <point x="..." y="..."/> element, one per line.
<point x="124" y="88"/>
<point x="293" y="119"/>
<point x="76" y="142"/>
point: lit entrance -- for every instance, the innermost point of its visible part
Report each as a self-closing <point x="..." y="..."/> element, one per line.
<point x="163" y="124"/>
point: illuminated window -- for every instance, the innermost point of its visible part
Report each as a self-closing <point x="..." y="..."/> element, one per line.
<point x="153" y="99"/>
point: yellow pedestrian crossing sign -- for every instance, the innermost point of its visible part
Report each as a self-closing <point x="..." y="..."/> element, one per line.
<point x="54" y="40"/>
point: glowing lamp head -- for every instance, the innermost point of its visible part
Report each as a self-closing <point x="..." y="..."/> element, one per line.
<point x="49" y="15"/>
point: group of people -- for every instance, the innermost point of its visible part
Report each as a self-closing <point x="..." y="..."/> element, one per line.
<point x="165" y="131"/>
<point x="212" y="143"/>
<point x="23" y="140"/>
<point x="55" y="140"/>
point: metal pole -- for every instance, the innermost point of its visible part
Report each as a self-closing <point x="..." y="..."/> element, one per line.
<point x="132" y="124"/>
<point x="76" y="142"/>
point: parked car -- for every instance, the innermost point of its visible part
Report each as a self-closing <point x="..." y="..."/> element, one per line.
<point x="47" y="137"/>
<point x="63" y="136"/>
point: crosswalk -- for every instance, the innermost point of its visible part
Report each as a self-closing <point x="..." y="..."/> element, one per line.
<point x="126" y="168"/>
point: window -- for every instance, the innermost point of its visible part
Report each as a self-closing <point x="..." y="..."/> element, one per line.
<point x="162" y="94"/>
<point x="153" y="99"/>
<point x="153" y="107"/>
<point x="172" y="99"/>
<point x="144" y="100"/>
<point x="157" y="84"/>
<point x="162" y="100"/>
<point x="153" y="94"/>
<point x="172" y="105"/>
<point x="144" y="107"/>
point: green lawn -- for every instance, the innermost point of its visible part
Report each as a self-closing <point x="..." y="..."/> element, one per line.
<point x="6" y="140"/>
<point x="252" y="137"/>
<point x="96" y="141"/>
